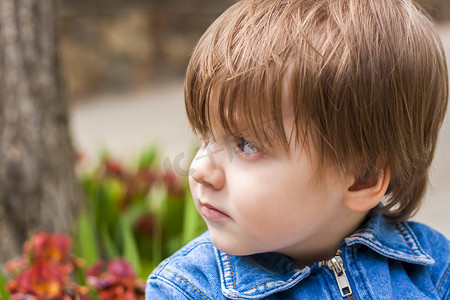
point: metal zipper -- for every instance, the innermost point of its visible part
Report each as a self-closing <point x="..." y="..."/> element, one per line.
<point x="337" y="266"/>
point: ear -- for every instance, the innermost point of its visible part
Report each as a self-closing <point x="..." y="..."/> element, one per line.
<point x="365" y="195"/>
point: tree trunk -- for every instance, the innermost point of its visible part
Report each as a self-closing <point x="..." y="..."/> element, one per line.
<point x="38" y="186"/>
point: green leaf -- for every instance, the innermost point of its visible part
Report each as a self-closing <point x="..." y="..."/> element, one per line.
<point x="4" y="295"/>
<point x="146" y="268"/>
<point x="80" y="275"/>
<point x="87" y="241"/>
<point x="157" y="255"/>
<point x="130" y="250"/>
<point x="149" y="157"/>
<point x="108" y="197"/>
<point x="138" y="207"/>
<point x="159" y="208"/>
<point x="108" y="244"/>
<point x="90" y="189"/>
<point x="193" y="223"/>
<point x="172" y="218"/>
<point x="94" y="295"/>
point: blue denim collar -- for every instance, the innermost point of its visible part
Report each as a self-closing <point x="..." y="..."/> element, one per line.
<point x="254" y="276"/>
<point x="395" y="241"/>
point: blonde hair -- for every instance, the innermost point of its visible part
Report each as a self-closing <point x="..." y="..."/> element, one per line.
<point x="368" y="78"/>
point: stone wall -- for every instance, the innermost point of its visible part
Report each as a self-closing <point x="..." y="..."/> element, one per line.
<point x="112" y="44"/>
<point x="123" y="44"/>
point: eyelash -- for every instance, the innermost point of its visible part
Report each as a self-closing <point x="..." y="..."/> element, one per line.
<point x="240" y="144"/>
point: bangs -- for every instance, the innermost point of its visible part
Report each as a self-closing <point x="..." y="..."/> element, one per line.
<point x="240" y="106"/>
<point x="237" y="90"/>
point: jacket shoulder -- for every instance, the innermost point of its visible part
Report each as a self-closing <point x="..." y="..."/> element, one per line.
<point x="191" y="273"/>
<point x="437" y="246"/>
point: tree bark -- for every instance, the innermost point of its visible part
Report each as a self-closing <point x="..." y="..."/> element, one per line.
<point x="38" y="186"/>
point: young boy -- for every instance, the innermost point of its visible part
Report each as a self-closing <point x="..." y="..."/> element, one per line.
<point x="320" y="120"/>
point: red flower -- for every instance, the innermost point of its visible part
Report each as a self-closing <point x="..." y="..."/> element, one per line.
<point x="147" y="176"/>
<point x="44" y="279"/>
<point x="44" y="270"/>
<point x="145" y="224"/>
<point x="174" y="188"/>
<point x="117" y="282"/>
<point x="114" y="168"/>
<point x="137" y="185"/>
<point x="121" y="268"/>
<point x="54" y="247"/>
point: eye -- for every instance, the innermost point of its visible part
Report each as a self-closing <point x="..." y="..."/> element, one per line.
<point x="246" y="148"/>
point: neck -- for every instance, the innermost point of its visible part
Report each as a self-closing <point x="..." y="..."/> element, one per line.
<point x="324" y="245"/>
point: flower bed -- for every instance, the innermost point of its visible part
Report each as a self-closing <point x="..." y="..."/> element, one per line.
<point x="133" y="218"/>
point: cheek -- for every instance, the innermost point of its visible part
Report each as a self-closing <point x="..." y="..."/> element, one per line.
<point x="268" y="227"/>
<point x="278" y="204"/>
<point x="262" y="212"/>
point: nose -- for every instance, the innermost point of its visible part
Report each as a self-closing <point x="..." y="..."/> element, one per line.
<point x="206" y="168"/>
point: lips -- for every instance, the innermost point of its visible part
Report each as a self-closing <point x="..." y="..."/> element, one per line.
<point x="211" y="212"/>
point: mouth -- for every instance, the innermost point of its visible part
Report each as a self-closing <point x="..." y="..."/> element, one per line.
<point x="212" y="213"/>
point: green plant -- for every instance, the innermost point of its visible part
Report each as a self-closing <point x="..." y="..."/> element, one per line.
<point x="4" y="294"/>
<point x="142" y="213"/>
<point x="133" y="218"/>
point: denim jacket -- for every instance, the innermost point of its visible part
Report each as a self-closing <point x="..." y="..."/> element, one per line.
<point x="381" y="260"/>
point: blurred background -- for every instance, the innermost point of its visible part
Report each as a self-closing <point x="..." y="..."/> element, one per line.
<point x="125" y="207"/>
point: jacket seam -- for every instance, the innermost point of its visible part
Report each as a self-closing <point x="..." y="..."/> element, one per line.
<point x="327" y="285"/>
<point x="406" y="242"/>
<point x="360" y="273"/>
<point x="254" y="288"/>
<point x="171" y="284"/>
<point x="232" y="273"/>
<point x="442" y="281"/>
<point x="234" y="282"/>
<point x="417" y="244"/>
<point x="191" y="248"/>
<point x="186" y="282"/>
<point x="161" y="267"/>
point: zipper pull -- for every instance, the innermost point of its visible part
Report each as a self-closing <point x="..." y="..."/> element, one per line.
<point x="337" y="265"/>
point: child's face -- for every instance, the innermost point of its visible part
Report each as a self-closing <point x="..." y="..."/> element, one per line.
<point x="255" y="202"/>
